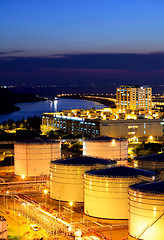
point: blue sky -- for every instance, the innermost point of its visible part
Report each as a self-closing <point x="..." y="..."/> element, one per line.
<point x="76" y="41"/>
<point x="42" y="27"/>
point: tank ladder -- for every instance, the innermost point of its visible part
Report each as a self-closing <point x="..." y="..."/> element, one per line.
<point x="150" y="225"/>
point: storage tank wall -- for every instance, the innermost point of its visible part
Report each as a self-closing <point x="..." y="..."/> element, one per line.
<point x="66" y="181"/>
<point x="106" y="197"/>
<point x="34" y="159"/>
<point x="3" y="228"/>
<point x="20" y="160"/>
<point x="144" y="210"/>
<point x="56" y="151"/>
<point x="117" y="150"/>
<point x="150" y="165"/>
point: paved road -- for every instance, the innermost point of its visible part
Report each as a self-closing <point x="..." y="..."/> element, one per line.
<point x="17" y="225"/>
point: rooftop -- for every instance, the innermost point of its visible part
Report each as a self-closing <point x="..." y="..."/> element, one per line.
<point x="88" y="161"/>
<point x="105" y="139"/>
<point x="154" y="157"/>
<point x="154" y="187"/>
<point x="122" y="172"/>
<point x="36" y="141"/>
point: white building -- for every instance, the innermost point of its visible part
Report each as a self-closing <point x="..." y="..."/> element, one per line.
<point x="134" y="97"/>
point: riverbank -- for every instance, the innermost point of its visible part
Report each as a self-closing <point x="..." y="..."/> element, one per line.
<point x="31" y="109"/>
<point x="98" y="99"/>
<point x="8" y="99"/>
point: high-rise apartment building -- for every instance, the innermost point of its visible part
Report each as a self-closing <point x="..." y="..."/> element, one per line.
<point x="134" y="97"/>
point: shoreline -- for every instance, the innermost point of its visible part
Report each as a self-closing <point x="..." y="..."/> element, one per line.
<point x="9" y="99"/>
<point x="105" y="102"/>
<point x="12" y="108"/>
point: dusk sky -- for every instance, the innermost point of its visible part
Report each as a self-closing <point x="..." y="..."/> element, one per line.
<point x="71" y="41"/>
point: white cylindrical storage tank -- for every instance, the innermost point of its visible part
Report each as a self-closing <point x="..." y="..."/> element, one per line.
<point x="154" y="162"/>
<point x="33" y="157"/>
<point x="146" y="211"/>
<point x="105" y="191"/>
<point x="3" y="228"/>
<point x="66" y="178"/>
<point x="107" y="147"/>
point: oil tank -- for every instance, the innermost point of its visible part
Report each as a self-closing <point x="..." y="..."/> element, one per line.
<point x="33" y="157"/>
<point x="105" y="191"/>
<point x="154" y="162"/>
<point x="146" y="211"/>
<point x="66" y="178"/>
<point x="3" y="228"/>
<point x="107" y="147"/>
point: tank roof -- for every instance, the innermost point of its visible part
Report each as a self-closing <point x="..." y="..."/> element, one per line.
<point x="153" y="187"/>
<point x="36" y="141"/>
<point x="154" y="157"/>
<point x="105" y="139"/>
<point x="121" y="171"/>
<point x="83" y="160"/>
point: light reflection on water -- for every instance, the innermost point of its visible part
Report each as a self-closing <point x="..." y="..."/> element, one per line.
<point x="37" y="108"/>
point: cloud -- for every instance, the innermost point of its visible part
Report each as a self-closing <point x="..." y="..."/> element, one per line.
<point x="135" y="62"/>
<point x="12" y="52"/>
<point x="57" y="55"/>
<point x="84" y="68"/>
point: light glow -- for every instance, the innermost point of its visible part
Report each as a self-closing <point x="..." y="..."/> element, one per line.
<point x="71" y="203"/>
<point x="45" y="191"/>
<point x="151" y="137"/>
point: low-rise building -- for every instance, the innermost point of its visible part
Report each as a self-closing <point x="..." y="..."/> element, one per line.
<point x="137" y="129"/>
<point x="70" y="124"/>
<point x="134" y="130"/>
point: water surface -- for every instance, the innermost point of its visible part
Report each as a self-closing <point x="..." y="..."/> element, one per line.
<point x="37" y="108"/>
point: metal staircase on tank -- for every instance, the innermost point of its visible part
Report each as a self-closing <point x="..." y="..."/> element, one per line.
<point x="150" y="225"/>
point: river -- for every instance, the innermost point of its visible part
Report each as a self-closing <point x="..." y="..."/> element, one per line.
<point x="37" y="108"/>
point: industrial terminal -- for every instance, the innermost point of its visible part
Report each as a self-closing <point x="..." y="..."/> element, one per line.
<point x="102" y="193"/>
<point x="81" y="120"/>
<point x="135" y="117"/>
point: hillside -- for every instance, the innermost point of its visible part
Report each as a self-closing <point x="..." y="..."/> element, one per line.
<point x="8" y="98"/>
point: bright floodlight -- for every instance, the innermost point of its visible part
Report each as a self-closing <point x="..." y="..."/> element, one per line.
<point x="45" y="191"/>
<point x="23" y="176"/>
<point x="71" y="203"/>
<point x="69" y="228"/>
<point x="113" y="141"/>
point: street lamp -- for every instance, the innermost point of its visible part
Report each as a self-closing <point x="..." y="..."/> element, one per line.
<point x="14" y="207"/>
<point x="7" y="192"/>
<point x="18" y="224"/>
<point x="151" y="138"/>
<point x="45" y="193"/>
<point x="4" y="195"/>
<point x="27" y="208"/>
<point x="71" y="204"/>
<point x="23" y="177"/>
<point x="59" y="208"/>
